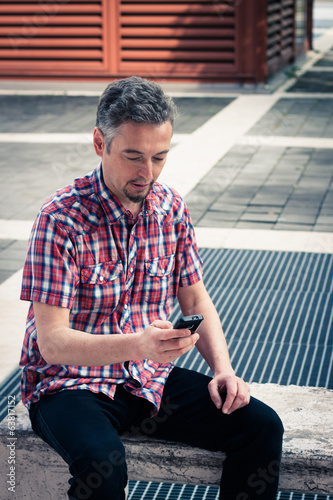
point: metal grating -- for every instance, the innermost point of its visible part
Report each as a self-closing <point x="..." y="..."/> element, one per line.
<point x="9" y="387"/>
<point x="277" y="312"/>
<point x="142" y="490"/>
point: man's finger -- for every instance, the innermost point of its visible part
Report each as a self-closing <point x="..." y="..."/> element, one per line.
<point x="158" y="323"/>
<point x="231" y="389"/>
<point x="242" y="397"/>
<point x="214" y="392"/>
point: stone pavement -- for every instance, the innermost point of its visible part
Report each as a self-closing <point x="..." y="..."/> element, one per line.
<point x="254" y="165"/>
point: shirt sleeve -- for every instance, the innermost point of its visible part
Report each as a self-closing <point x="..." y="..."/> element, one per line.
<point x="191" y="271"/>
<point x="50" y="274"/>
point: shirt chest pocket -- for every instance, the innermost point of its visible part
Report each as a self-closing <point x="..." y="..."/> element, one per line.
<point x="101" y="286"/>
<point x="158" y="273"/>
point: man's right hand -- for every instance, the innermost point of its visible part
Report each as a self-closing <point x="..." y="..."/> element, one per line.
<point x="162" y="343"/>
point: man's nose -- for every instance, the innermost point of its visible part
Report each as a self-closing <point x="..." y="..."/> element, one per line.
<point x="146" y="169"/>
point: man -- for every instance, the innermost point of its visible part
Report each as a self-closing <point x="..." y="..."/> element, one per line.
<point x="107" y="259"/>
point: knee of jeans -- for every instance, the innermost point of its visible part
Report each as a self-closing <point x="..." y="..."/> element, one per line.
<point x="103" y="459"/>
<point x="272" y="428"/>
<point x="265" y="422"/>
<point x="275" y="422"/>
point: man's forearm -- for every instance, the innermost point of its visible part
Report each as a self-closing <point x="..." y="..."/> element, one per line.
<point x="60" y="344"/>
<point x="66" y="346"/>
<point x="212" y="344"/>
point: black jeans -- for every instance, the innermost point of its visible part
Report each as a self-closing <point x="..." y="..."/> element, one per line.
<point x="84" y="428"/>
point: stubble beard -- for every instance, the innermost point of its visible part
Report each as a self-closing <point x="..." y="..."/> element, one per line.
<point x="139" y="198"/>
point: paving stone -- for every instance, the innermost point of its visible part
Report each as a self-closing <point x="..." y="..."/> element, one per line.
<point x="254" y="225"/>
<point x="219" y="178"/>
<point x="297" y="218"/>
<point x="313" y="81"/>
<point x="326" y="210"/>
<point x="293" y="227"/>
<point x="311" y="198"/>
<point x="323" y="228"/>
<point x="47" y="113"/>
<point x="310" y="182"/>
<point x="215" y="219"/>
<point x="300" y="209"/>
<point x="31" y="182"/>
<point x="12" y="253"/>
<point x="325" y="219"/>
<point x="4" y="275"/>
<point x="223" y="215"/>
<point x="248" y="179"/>
<point x="20" y="245"/>
<point x="4" y="243"/>
<point x="296" y="117"/>
<point x="326" y="61"/>
<point x="10" y="265"/>
<point x="259" y="217"/>
<point x="282" y="180"/>
<point x="274" y="195"/>
<point x="261" y="209"/>
<point x="222" y="206"/>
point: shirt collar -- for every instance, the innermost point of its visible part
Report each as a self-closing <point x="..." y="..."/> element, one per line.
<point x="113" y="208"/>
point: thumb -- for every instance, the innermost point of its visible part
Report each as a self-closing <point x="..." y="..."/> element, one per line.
<point x="164" y="325"/>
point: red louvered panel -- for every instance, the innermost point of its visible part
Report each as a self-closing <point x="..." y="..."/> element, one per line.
<point x="27" y="32"/>
<point x="55" y="42"/>
<point x="201" y="8"/>
<point x="49" y="8"/>
<point x="177" y="38"/>
<point x="160" y="70"/>
<point x="175" y="20"/>
<point x="44" y="19"/>
<point x="185" y="43"/>
<point x="179" y="55"/>
<point x="60" y="37"/>
<point x="280" y="33"/>
<point x="178" y="34"/>
<point x="40" y="54"/>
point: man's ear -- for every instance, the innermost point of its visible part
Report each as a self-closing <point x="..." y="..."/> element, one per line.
<point x="98" y="141"/>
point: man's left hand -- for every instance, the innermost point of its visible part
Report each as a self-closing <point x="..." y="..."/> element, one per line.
<point x="237" y="392"/>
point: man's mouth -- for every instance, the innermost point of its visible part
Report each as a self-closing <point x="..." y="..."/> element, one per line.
<point x="140" y="186"/>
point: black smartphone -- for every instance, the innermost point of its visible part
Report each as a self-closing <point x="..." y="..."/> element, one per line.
<point x="191" y="323"/>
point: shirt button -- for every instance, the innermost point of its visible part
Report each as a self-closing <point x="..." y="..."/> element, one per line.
<point x="125" y="306"/>
<point x="101" y="278"/>
<point x="131" y="269"/>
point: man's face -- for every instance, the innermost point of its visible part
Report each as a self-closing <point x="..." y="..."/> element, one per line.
<point x="136" y="158"/>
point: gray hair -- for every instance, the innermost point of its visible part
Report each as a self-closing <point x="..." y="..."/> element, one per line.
<point x="132" y="99"/>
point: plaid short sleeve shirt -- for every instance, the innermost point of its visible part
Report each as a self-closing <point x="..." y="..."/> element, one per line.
<point x="115" y="275"/>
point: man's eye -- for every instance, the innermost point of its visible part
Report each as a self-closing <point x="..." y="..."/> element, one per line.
<point x="133" y="159"/>
<point x="158" y="159"/>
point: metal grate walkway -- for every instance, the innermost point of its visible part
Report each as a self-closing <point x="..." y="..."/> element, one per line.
<point x="277" y="313"/>
<point x="142" y="490"/>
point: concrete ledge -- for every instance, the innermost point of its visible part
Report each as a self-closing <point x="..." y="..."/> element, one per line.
<point x="307" y="464"/>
